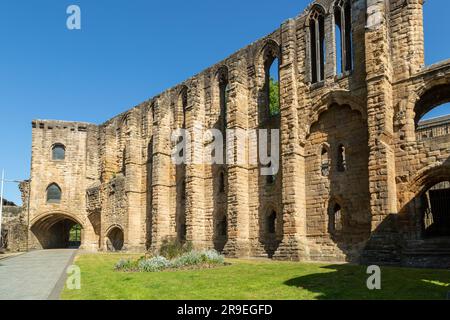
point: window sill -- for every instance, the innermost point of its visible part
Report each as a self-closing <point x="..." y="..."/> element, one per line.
<point x="344" y="75"/>
<point x="317" y="85"/>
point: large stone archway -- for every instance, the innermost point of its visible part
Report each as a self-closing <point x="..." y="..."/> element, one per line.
<point x="52" y="231"/>
<point x="428" y="205"/>
<point x="430" y="98"/>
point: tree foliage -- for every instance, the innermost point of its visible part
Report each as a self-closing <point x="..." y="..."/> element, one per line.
<point x="274" y="97"/>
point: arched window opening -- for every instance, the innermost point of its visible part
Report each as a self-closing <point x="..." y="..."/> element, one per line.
<point x="325" y="162"/>
<point x="436" y="211"/>
<point x="271" y="223"/>
<point x="124" y="161"/>
<point x="182" y="232"/>
<point x="183" y="190"/>
<point x="221" y="182"/>
<point x="54" y="193"/>
<point x="336" y="218"/>
<point x="222" y="227"/>
<point x="317" y="45"/>
<point x="432" y="113"/>
<point x="153" y="113"/>
<point x="341" y="160"/>
<point x="58" y="152"/>
<point x="223" y="97"/>
<point x="273" y="85"/>
<point x="182" y="106"/>
<point x="343" y="21"/>
<point x="338" y="33"/>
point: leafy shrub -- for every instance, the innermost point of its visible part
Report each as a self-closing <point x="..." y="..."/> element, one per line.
<point x="194" y="258"/>
<point x="188" y="259"/>
<point x="125" y="265"/>
<point x="173" y="248"/>
<point x="213" y="257"/>
<point x="154" y="264"/>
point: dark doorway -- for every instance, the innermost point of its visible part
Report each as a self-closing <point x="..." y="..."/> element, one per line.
<point x="115" y="240"/>
<point x="437" y="211"/>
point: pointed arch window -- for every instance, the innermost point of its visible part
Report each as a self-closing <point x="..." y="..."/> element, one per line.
<point x="222" y="227"/>
<point x="182" y="106"/>
<point x="336" y="218"/>
<point x="271" y="222"/>
<point x="54" y="193"/>
<point x="221" y="182"/>
<point x="317" y="44"/>
<point x="153" y="113"/>
<point x="272" y="69"/>
<point x="325" y="162"/>
<point x="223" y="96"/>
<point x="343" y="27"/>
<point x="341" y="159"/>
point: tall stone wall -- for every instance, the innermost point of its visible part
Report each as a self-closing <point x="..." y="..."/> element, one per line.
<point x="350" y="159"/>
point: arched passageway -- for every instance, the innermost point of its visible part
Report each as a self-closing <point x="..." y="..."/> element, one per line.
<point x="436" y="211"/>
<point x="115" y="239"/>
<point x="57" y="231"/>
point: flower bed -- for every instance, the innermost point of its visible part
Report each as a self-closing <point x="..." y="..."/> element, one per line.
<point x="189" y="260"/>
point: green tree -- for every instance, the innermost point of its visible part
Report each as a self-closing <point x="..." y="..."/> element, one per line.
<point x="274" y="97"/>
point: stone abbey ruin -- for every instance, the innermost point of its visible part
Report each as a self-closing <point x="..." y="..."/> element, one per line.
<point x="361" y="177"/>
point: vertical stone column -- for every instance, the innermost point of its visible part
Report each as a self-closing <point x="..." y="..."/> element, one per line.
<point x="292" y="155"/>
<point x="161" y="175"/>
<point x="195" y="169"/>
<point x="330" y="47"/>
<point x="238" y="244"/>
<point x="382" y="184"/>
<point x="406" y="22"/>
<point x="133" y="187"/>
<point x="212" y="114"/>
<point x="91" y="233"/>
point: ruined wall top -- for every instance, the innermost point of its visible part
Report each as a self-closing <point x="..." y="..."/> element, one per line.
<point x="371" y="11"/>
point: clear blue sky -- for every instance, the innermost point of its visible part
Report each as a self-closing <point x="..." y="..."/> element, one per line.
<point x="126" y="52"/>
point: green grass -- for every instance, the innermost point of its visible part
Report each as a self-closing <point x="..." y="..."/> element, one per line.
<point x="260" y="280"/>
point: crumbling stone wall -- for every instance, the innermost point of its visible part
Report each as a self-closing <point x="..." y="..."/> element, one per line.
<point x="120" y="175"/>
<point x="14" y="229"/>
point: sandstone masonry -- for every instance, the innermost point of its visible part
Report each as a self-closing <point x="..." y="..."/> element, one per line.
<point x="355" y="166"/>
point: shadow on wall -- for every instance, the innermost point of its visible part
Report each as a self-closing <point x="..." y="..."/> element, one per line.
<point x="401" y="239"/>
<point x="348" y="282"/>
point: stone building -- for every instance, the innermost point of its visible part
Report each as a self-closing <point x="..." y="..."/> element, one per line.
<point x="359" y="179"/>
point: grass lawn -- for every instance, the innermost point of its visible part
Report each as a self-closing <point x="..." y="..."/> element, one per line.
<point x="259" y="280"/>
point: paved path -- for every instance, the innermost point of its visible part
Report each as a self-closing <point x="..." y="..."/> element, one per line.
<point x="34" y="275"/>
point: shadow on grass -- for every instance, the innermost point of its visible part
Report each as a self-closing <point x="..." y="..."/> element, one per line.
<point x="349" y="282"/>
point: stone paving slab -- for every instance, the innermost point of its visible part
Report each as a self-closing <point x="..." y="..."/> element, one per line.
<point x="33" y="275"/>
